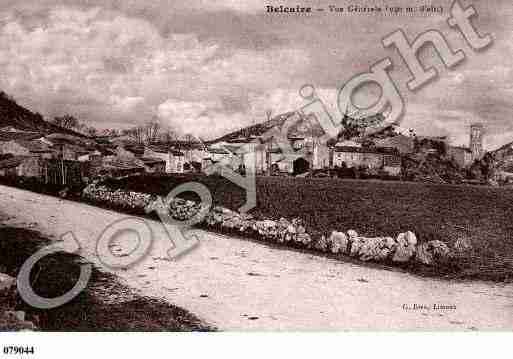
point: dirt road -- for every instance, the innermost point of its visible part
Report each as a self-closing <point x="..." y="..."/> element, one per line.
<point x="241" y="285"/>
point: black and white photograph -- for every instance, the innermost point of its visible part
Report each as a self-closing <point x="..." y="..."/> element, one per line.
<point x="253" y="167"/>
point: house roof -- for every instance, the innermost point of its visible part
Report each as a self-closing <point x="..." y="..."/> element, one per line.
<point x="177" y="153"/>
<point x="151" y="160"/>
<point x="6" y="136"/>
<point x="461" y="148"/>
<point x="240" y="139"/>
<point x="219" y="151"/>
<point x="432" y="138"/>
<point x="377" y="150"/>
<point x="12" y="162"/>
<point x="61" y="138"/>
<point x="404" y="144"/>
<point x="34" y="146"/>
<point x="159" y="148"/>
<point x="135" y="149"/>
<point x="121" y="164"/>
<point x="348" y="143"/>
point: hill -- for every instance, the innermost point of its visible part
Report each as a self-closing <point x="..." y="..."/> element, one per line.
<point x="298" y="125"/>
<point x="503" y="157"/>
<point x="15" y="116"/>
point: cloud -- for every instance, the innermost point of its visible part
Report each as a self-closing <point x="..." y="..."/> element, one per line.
<point x="220" y="65"/>
<point x="127" y="67"/>
<point x="204" y="119"/>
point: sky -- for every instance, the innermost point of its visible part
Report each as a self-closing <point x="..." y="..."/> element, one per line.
<point x="209" y="67"/>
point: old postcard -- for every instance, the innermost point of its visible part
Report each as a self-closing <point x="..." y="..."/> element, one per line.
<point x="259" y="166"/>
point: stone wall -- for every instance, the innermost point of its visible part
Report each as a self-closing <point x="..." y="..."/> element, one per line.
<point x="401" y="249"/>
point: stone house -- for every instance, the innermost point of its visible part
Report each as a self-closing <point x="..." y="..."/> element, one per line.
<point x="9" y="166"/>
<point x="431" y="145"/>
<point x="461" y="155"/>
<point x="93" y="156"/>
<point x="153" y="165"/>
<point x="356" y="157"/>
<point x="118" y="168"/>
<point x="173" y="159"/>
<point x="231" y="156"/>
<point x="26" y="148"/>
<point x="21" y="166"/>
<point x="10" y="134"/>
<point x="404" y="144"/>
<point x="373" y="158"/>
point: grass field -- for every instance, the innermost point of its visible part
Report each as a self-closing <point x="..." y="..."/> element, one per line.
<point x="444" y="212"/>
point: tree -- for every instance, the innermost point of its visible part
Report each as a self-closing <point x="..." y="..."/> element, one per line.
<point x="356" y="127"/>
<point x="67" y="121"/>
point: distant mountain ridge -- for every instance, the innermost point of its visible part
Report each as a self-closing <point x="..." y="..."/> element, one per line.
<point x="18" y="117"/>
<point x="298" y="125"/>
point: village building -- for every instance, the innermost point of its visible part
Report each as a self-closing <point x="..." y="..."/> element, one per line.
<point x="152" y="164"/>
<point x="405" y="145"/>
<point x="476" y="141"/>
<point x="173" y="158"/>
<point x="461" y="155"/>
<point x="123" y="153"/>
<point x="118" y="168"/>
<point x="194" y="152"/>
<point x="431" y="145"/>
<point x="20" y="166"/>
<point x="10" y="134"/>
<point x="373" y="158"/>
<point x="9" y="166"/>
<point x="93" y="156"/>
<point x="26" y="148"/>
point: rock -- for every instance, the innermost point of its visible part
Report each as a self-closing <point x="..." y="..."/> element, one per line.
<point x="424" y="255"/>
<point x="338" y="242"/>
<point x="411" y="238"/>
<point x="352" y="234"/>
<point x="304" y="238"/>
<point x="6" y="282"/>
<point x="245" y="225"/>
<point x="322" y="244"/>
<point x="405" y="247"/>
<point x="267" y="229"/>
<point x="356" y="245"/>
<point x="297" y="222"/>
<point x="268" y="223"/>
<point x="440" y="250"/>
<point x="246" y="216"/>
<point x="284" y="223"/>
<point x="232" y="222"/>
<point x="376" y="249"/>
<point x="369" y="249"/>
<point x="403" y="254"/>
<point x="291" y="229"/>
<point x="388" y="247"/>
<point x="433" y="252"/>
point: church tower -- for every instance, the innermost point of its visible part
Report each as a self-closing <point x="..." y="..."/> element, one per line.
<point x="476" y="140"/>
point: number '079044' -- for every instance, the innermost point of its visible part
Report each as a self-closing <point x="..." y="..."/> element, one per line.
<point x="18" y="350"/>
